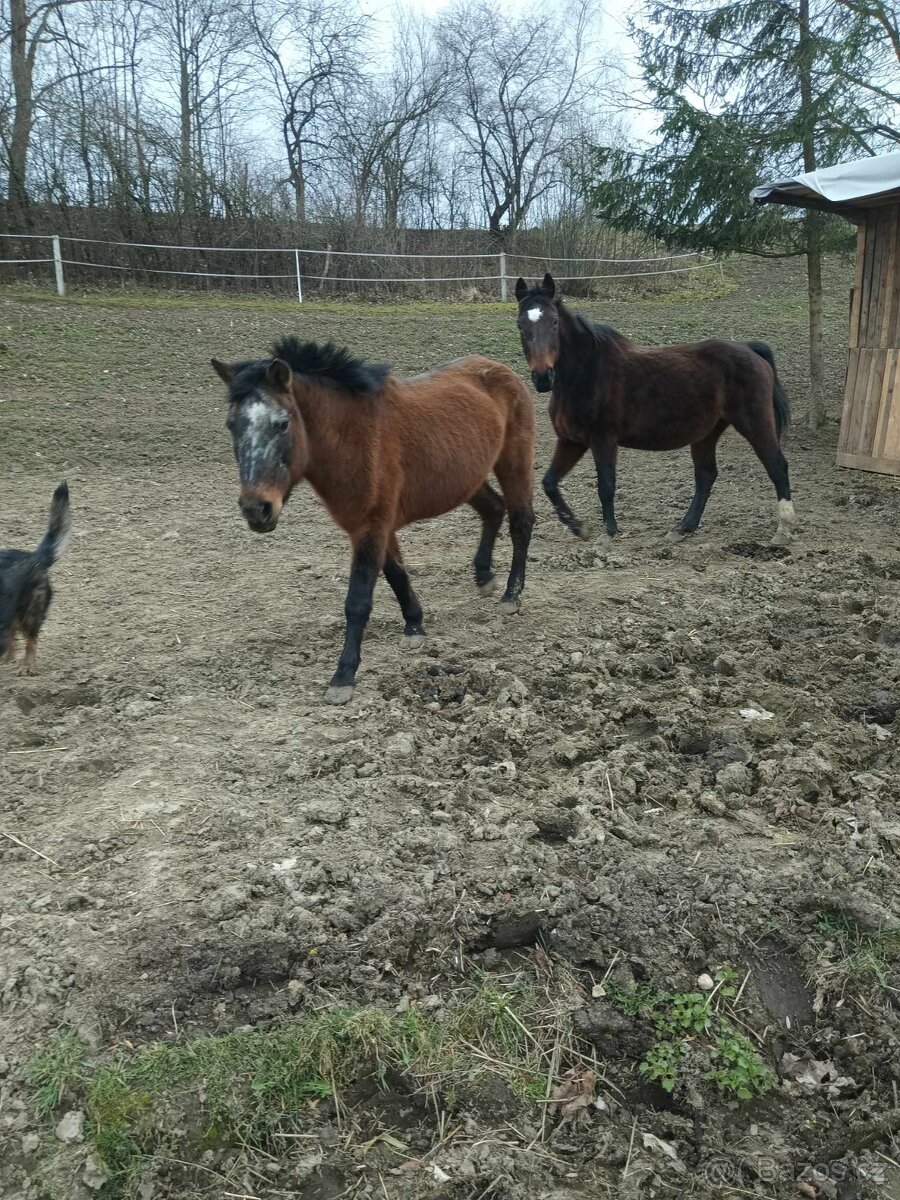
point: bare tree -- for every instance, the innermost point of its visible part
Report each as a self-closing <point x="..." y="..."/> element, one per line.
<point x="514" y="80"/>
<point x="199" y="43"/>
<point x="386" y="131"/>
<point x="28" y="31"/>
<point x="309" y="48"/>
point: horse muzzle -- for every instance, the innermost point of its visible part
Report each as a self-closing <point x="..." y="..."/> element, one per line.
<point x="543" y="380"/>
<point x="260" y="515"/>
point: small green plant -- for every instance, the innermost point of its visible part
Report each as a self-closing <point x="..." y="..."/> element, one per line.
<point x="682" y="1018"/>
<point x="738" y="1070"/>
<point x="662" y="1062"/>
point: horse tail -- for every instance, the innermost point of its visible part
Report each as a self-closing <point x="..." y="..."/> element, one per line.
<point x="780" y="399"/>
<point x="54" y="540"/>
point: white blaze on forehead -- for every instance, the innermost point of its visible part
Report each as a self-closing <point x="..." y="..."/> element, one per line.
<point x="256" y="442"/>
<point x="535" y="314"/>
<point x="257" y="415"/>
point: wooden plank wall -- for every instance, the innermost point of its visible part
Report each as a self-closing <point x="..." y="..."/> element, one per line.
<point x="870" y="425"/>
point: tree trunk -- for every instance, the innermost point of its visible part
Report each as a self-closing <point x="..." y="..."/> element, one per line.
<point x="813" y="221"/>
<point x="23" y="117"/>
<point x="299" y="191"/>
<point x="294" y="148"/>
<point x="817" y="403"/>
<point x="185" y="117"/>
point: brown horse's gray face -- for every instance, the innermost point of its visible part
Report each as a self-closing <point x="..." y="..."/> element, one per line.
<point x="539" y="330"/>
<point x="267" y="435"/>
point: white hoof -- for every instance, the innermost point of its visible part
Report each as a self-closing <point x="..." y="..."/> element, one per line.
<point x="487" y="589"/>
<point x="675" y="535"/>
<point x="510" y="606"/>
<point x="787" y="523"/>
<point x="583" y="531"/>
<point x="413" y="641"/>
<point x="339" y="695"/>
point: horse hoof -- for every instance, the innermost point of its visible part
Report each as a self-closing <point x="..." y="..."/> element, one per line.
<point x="339" y="695"/>
<point x="487" y="589"/>
<point x="678" y="535"/>
<point x="413" y="641"/>
<point x="583" y="531"/>
<point x="510" y="605"/>
<point x="782" y="538"/>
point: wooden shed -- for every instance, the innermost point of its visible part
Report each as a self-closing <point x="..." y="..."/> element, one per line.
<point x="866" y="191"/>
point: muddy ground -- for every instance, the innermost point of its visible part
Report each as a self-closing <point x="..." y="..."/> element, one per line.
<point x="572" y="792"/>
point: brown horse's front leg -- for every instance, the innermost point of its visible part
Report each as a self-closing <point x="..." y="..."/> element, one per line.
<point x="368" y="560"/>
<point x="395" y="574"/>
<point x="566" y="455"/>
<point x="605" y="451"/>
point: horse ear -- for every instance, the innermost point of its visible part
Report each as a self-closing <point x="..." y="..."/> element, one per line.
<point x="278" y="374"/>
<point x="548" y="285"/>
<point x="223" y="370"/>
<point x="521" y="288"/>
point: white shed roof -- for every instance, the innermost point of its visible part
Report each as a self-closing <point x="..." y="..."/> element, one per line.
<point x="863" y="183"/>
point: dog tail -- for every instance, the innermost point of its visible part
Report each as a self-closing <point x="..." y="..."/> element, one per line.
<point x="54" y="540"/>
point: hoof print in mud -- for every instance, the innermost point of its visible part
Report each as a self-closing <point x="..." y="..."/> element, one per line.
<point x="757" y="552"/>
<point x="513" y="930"/>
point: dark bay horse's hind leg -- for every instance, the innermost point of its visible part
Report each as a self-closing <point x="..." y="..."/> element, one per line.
<point x="565" y="457"/>
<point x="705" y="471"/>
<point x="768" y="450"/>
<point x="368" y="560"/>
<point x="605" y="452"/>
<point x="395" y="574"/>
<point x="490" y="507"/>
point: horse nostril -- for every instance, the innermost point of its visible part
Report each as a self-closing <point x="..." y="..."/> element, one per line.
<point x="264" y="509"/>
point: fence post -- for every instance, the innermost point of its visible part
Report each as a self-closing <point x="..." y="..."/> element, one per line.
<point x="299" y="284"/>
<point x="503" y="276"/>
<point x="58" y="267"/>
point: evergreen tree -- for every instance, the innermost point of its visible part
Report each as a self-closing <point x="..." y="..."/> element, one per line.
<point x="751" y="90"/>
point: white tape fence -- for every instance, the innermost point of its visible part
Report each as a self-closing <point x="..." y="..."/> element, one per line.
<point x="323" y="270"/>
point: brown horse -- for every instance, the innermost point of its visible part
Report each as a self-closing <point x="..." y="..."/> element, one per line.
<point x="382" y="452"/>
<point x="609" y="392"/>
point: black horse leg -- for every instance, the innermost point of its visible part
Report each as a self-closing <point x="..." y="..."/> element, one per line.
<point x="605" y="451"/>
<point x="705" y="471"/>
<point x="368" y="557"/>
<point x="768" y="450"/>
<point x="395" y="574"/>
<point x="565" y="457"/>
<point x="490" y="507"/>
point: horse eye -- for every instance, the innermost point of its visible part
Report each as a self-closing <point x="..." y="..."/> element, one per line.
<point x="281" y="420"/>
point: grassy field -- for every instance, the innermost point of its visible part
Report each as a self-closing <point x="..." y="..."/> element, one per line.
<point x="541" y="915"/>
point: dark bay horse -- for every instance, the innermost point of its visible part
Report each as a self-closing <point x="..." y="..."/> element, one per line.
<point x="608" y="392"/>
<point x="382" y="452"/>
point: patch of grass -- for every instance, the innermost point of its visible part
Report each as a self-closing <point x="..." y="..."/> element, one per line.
<point x="56" y="1070"/>
<point x="682" y="1020"/>
<point x="245" y="1088"/>
<point x="854" y="953"/>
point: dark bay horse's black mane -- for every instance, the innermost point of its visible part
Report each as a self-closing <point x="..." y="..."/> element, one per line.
<point x="604" y="336"/>
<point x="328" y="363"/>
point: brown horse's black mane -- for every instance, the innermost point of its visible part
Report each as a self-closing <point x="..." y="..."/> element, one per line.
<point x="327" y="363"/>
